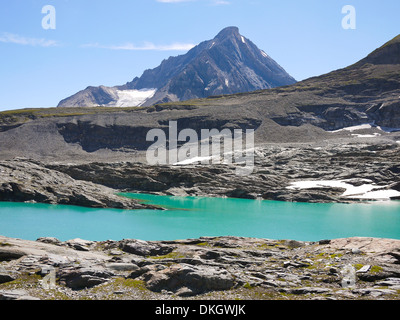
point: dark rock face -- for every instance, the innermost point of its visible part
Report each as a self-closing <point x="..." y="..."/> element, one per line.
<point x="96" y="135"/>
<point x="227" y="64"/>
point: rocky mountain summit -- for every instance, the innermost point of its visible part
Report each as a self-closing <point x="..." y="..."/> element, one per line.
<point x="229" y="63"/>
<point x="206" y="268"/>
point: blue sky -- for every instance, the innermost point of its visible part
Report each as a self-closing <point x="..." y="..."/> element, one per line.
<point x="99" y="42"/>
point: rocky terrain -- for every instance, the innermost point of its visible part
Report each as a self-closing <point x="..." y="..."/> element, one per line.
<point x="207" y="268"/>
<point x="28" y="181"/>
<point x="337" y="132"/>
<point x="277" y="169"/>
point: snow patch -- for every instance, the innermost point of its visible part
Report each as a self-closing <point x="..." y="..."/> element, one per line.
<point x="365" y="191"/>
<point x="367" y="135"/>
<point x="366" y="126"/>
<point x="244" y="41"/>
<point x="264" y="54"/>
<point x="133" y="98"/>
<point x="354" y="128"/>
<point x="193" y="160"/>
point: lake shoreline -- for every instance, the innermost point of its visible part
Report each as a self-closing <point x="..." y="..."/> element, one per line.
<point x="349" y="173"/>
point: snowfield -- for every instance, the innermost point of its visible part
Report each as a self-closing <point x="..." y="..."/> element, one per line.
<point x="365" y="191"/>
<point x="133" y="98"/>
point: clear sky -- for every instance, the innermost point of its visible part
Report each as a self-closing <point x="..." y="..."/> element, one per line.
<point x="104" y="42"/>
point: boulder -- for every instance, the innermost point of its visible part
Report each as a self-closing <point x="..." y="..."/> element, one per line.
<point x="122" y="266"/>
<point x="197" y="280"/>
<point x="9" y="253"/>
<point x="79" y="244"/>
<point x="50" y="240"/>
<point x="144" y="248"/>
<point x="81" y="278"/>
<point x="16" y="295"/>
<point x="6" y="276"/>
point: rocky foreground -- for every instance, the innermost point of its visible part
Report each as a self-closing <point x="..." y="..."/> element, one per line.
<point x="222" y="268"/>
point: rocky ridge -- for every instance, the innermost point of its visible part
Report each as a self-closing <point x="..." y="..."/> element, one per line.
<point x="205" y="268"/>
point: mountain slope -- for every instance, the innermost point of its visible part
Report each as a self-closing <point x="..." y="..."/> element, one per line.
<point x="313" y="110"/>
<point x="228" y="64"/>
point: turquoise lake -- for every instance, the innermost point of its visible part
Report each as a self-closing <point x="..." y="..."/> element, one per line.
<point x="191" y="217"/>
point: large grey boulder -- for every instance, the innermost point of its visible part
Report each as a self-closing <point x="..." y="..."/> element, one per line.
<point x="196" y="279"/>
<point x="81" y="278"/>
<point x="144" y="248"/>
<point x="10" y="253"/>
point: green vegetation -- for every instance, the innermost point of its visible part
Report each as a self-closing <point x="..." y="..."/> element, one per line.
<point x="24" y="115"/>
<point x="130" y="283"/>
<point x="376" y="269"/>
<point x="172" y="255"/>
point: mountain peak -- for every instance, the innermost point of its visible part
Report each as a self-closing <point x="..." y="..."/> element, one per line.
<point x="229" y="31"/>
<point x="227" y="64"/>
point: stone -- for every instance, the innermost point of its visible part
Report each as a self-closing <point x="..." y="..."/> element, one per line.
<point x="9" y="253"/>
<point x="356" y="251"/>
<point x="364" y="269"/>
<point x="79" y="244"/>
<point x="185" y="292"/>
<point x="296" y="264"/>
<point x="80" y="278"/>
<point x="122" y="266"/>
<point x="307" y="290"/>
<point x="6" y="276"/>
<point x="374" y="292"/>
<point x="16" y="295"/>
<point x="388" y="282"/>
<point x="323" y="242"/>
<point x="199" y="280"/>
<point x="50" y="240"/>
<point x="395" y="254"/>
<point x="144" y="248"/>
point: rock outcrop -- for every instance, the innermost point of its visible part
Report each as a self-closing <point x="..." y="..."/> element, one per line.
<point x="24" y="180"/>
